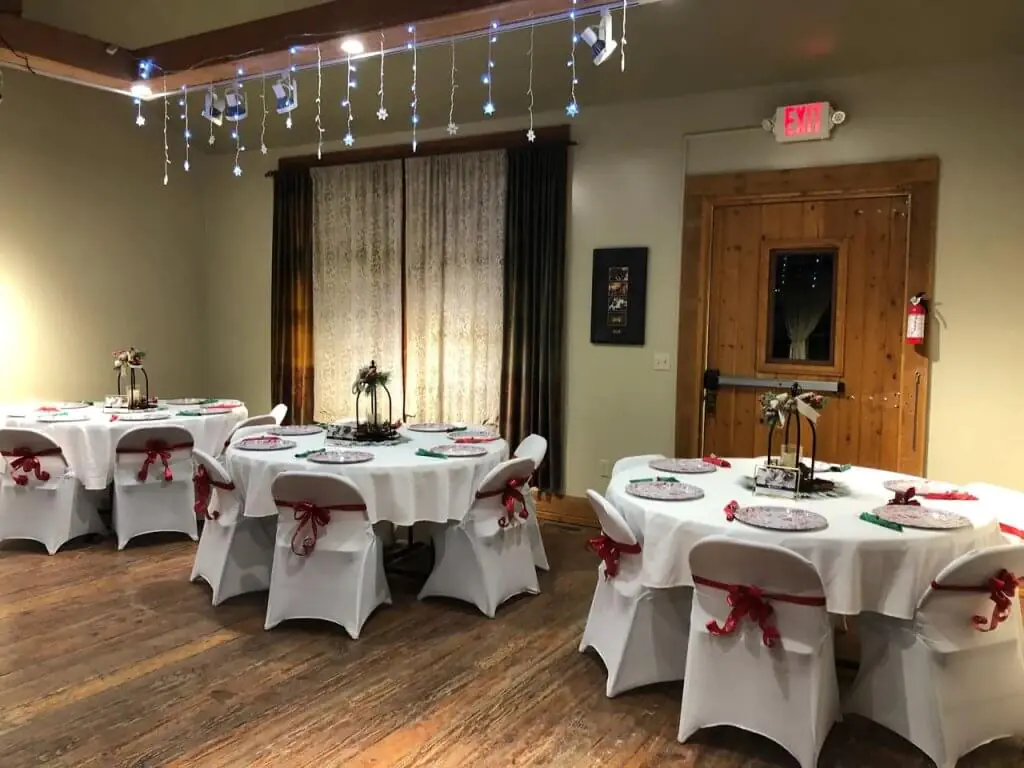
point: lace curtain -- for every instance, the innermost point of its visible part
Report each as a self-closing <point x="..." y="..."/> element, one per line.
<point x="357" y="281"/>
<point x="455" y="241"/>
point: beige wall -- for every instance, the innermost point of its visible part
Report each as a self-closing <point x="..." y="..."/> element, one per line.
<point x="95" y="254"/>
<point x="627" y="185"/>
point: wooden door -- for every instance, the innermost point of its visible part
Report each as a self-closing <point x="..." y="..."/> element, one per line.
<point x="812" y="290"/>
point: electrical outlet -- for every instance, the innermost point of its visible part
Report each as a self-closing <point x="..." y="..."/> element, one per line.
<point x="603" y="468"/>
<point x="662" y="362"/>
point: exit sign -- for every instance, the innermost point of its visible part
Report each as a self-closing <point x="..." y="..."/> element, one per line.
<point x="803" y="122"/>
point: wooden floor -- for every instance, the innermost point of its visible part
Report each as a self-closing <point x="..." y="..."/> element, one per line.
<point x="114" y="659"/>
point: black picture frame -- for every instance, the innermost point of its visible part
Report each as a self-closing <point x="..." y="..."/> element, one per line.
<point x="618" y="301"/>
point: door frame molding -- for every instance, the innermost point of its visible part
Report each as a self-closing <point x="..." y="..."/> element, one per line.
<point x="916" y="178"/>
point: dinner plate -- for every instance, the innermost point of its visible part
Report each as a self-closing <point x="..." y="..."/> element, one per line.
<point x="475" y="432"/>
<point x="190" y="401"/>
<point x="460" y="450"/>
<point x="152" y="415"/>
<point x="912" y="516"/>
<point x="777" y="518"/>
<point x="119" y="410"/>
<point x="683" y="466"/>
<point x="263" y="444"/>
<point x="295" y="430"/>
<point x="920" y="486"/>
<point x="71" y="406"/>
<point x="431" y="426"/>
<point x="333" y="456"/>
<point x="659" y="490"/>
<point x="61" y="418"/>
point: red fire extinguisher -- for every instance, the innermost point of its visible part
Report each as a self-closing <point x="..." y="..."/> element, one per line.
<point x="916" y="313"/>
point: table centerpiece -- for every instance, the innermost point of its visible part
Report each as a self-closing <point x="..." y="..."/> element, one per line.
<point x="132" y="381"/>
<point x="783" y="411"/>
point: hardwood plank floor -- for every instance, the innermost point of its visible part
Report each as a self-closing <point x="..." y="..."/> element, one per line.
<point x="113" y="659"/>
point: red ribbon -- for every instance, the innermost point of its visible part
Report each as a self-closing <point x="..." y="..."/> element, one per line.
<point x="156" y="450"/>
<point x="26" y="461"/>
<point x="316" y="517"/>
<point x="609" y="550"/>
<point x="730" y="510"/>
<point x="1011" y="530"/>
<point x="904" y="499"/>
<point x="712" y="459"/>
<point x="752" y="602"/>
<point x="204" y="485"/>
<point x="1001" y="589"/>
<point x="952" y="496"/>
<point x="510" y="496"/>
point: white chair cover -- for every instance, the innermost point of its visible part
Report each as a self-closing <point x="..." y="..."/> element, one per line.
<point x="328" y="563"/>
<point x="252" y="426"/>
<point x="1011" y="508"/>
<point x="639" y="633"/>
<point x="787" y="693"/>
<point x="153" y="483"/>
<point x="939" y="681"/>
<point x="235" y="553"/>
<point x="534" y="448"/>
<point x="486" y="559"/>
<point x="40" y="498"/>
<point x="279" y="411"/>
<point x="634" y="462"/>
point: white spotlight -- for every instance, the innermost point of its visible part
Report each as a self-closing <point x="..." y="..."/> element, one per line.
<point x="352" y="46"/>
<point x="286" y="92"/>
<point x="237" y="108"/>
<point x="602" y="43"/>
<point x="140" y="91"/>
<point x="213" y="110"/>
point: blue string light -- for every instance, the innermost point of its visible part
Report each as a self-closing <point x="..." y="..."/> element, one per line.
<point x="488" y="78"/>
<point x="573" y="108"/>
<point x="415" y="119"/>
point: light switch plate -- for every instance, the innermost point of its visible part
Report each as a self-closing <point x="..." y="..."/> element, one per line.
<point x="662" y="362"/>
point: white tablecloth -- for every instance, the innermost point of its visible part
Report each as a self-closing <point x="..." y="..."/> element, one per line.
<point x="89" y="445"/>
<point x="398" y="485"/>
<point x="864" y="567"/>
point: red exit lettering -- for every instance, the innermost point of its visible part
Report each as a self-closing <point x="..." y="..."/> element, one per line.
<point x="802" y="119"/>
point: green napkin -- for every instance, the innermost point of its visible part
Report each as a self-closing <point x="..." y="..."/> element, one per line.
<point x="209" y="401"/>
<point x="658" y="479"/>
<point x="839" y="468"/>
<point x="868" y="517"/>
<point x="431" y="454"/>
<point x="307" y="454"/>
<point x="189" y="413"/>
<point x="458" y="429"/>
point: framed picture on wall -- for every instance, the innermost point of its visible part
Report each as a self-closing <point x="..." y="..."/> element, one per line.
<point x="618" y="309"/>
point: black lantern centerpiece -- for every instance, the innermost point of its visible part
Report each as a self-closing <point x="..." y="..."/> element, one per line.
<point x="369" y="385"/>
<point x="785" y="411"/>
<point x="132" y="379"/>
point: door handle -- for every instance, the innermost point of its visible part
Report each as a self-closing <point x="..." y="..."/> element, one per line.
<point x="711" y="382"/>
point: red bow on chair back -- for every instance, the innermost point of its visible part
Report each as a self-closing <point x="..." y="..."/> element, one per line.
<point x="1001" y="589"/>
<point x="609" y="550"/>
<point x="204" y="485"/>
<point x="904" y="499"/>
<point x="25" y="461"/>
<point x="752" y="602"/>
<point x="156" y="450"/>
<point x="314" y="517"/>
<point x="510" y="497"/>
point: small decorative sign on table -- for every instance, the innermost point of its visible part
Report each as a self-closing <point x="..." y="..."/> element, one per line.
<point x="774" y="480"/>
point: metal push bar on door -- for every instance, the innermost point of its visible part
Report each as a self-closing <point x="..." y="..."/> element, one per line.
<point x="713" y="380"/>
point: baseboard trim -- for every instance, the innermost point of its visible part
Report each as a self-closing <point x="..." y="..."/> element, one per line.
<point x="571" y="510"/>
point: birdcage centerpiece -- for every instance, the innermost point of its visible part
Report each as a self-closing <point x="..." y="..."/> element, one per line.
<point x="785" y="413"/>
<point x="132" y="379"/>
<point x="373" y="422"/>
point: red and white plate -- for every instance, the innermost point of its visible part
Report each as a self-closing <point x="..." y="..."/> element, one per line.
<point x="431" y="426"/>
<point x="295" y="430"/>
<point x="460" y="450"/>
<point x="62" y="417"/>
<point x="683" y="466"/>
<point x="782" y="518"/>
<point x="659" y="490"/>
<point x="147" y="415"/>
<point x="920" y="486"/>
<point x="332" y="456"/>
<point x="263" y="444"/>
<point x="912" y="516"/>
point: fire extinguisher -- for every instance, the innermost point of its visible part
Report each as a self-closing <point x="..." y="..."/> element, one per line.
<point x="916" y="313"/>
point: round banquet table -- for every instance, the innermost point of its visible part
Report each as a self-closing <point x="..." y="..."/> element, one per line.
<point x="89" y="445"/>
<point x="399" y="486"/>
<point x="863" y="567"/>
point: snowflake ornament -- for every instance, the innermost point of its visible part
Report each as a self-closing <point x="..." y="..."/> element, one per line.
<point x="382" y="114"/>
<point x="489" y="109"/>
<point x="349" y="139"/>
<point x="572" y="109"/>
<point x="140" y="121"/>
<point x="453" y="129"/>
<point x="212" y="140"/>
<point x="531" y="136"/>
<point x="237" y="170"/>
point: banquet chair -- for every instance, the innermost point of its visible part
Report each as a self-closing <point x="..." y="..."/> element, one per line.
<point x="634" y="462"/>
<point x="766" y="664"/>
<point x="235" y="552"/>
<point x="328" y="563"/>
<point x="1010" y="504"/>
<point x="640" y="633"/>
<point x="948" y="681"/>
<point x="279" y="411"/>
<point x="486" y="559"/>
<point x="534" y="448"/>
<point x="153" y="483"/>
<point x="40" y="498"/>
<point x="266" y="420"/>
<point x="244" y="432"/>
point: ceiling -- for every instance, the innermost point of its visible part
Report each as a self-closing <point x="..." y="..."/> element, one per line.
<point x="675" y="47"/>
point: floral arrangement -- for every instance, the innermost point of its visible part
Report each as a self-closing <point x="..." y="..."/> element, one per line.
<point x="776" y="406"/>
<point x="126" y="357"/>
<point x="369" y="378"/>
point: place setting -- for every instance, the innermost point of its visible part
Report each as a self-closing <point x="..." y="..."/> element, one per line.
<point x="776" y="518"/>
<point x="663" y="489"/>
<point x="264" y="443"/>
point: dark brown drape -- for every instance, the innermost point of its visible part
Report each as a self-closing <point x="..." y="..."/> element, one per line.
<point x="533" y="359"/>
<point x="291" y="302"/>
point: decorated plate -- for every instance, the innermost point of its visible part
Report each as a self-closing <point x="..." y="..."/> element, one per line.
<point x="152" y="415"/>
<point x="190" y="401"/>
<point x="263" y="444"/>
<point x="658" y="490"/>
<point x="295" y="430"/>
<point x="431" y="426"/>
<point x="922" y="517"/>
<point x="61" y="417"/>
<point x="683" y="466"/>
<point x="474" y="432"/>
<point x="71" y="406"/>
<point x="920" y="486"/>
<point x="214" y="410"/>
<point x="782" y="518"/>
<point x="460" y="451"/>
<point x="333" y="456"/>
<point x="119" y="410"/>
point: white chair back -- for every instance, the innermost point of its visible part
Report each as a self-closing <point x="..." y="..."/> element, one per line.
<point x="345" y="529"/>
<point x="634" y="462"/>
<point x="31" y="459"/>
<point x="243" y="432"/>
<point x="143" y="448"/>
<point x="613" y="524"/>
<point x="489" y="503"/>
<point x="1009" y="506"/>
<point x="217" y="498"/>
<point x="266" y="420"/>
<point x="534" y="448"/>
<point x="279" y="411"/>
<point x="945" y="616"/>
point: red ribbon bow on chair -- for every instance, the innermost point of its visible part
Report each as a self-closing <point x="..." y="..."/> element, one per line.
<point x="609" y="550"/>
<point x="748" y="601"/>
<point x="510" y="496"/>
<point x="904" y="499"/>
<point x="204" y="486"/>
<point x="730" y="510"/>
<point x="156" y="450"/>
<point x="712" y="459"/>
<point x="314" y="517"/>
<point x="26" y="461"/>
<point x="1001" y="589"/>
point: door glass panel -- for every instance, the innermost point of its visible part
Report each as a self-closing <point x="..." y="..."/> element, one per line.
<point x="801" y="305"/>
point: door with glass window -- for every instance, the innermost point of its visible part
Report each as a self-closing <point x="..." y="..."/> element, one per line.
<point x="812" y="292"/>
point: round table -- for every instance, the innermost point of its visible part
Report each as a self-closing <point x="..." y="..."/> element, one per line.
<point x="863" y="567"/>
<point x="398" y="486"/>
<point x="89" y="445"/>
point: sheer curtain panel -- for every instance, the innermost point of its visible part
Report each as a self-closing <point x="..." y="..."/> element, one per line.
<point x="357" y="281"/>
<point x="454" y="257"/>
